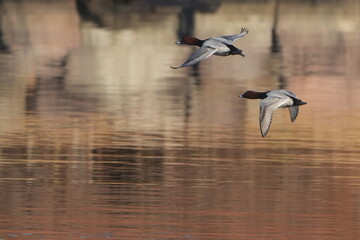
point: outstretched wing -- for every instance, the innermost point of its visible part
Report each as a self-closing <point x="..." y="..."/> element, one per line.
<point x="242" y="33"/>
<point x="199" y="55"/>
<point x="267" y="108"/>
<point x="294" y="110"/>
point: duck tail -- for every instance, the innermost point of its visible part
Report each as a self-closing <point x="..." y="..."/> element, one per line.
<point x="236" y="51"/>
<point x="298" y="102"/>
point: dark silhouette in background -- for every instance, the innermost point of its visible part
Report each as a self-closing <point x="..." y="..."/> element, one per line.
<point x="275" y="41"/>
<point x="4" y="47"/>
<point x="276" y="48"/>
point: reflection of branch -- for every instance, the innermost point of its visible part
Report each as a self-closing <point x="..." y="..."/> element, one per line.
<point x="275" y="43"/>
<point x="276" y="46"/>
<point x="3" y="46"/>
<point x="282" y="81"/>
<point x="86" y="14"/>
<point x="186" y="22"/>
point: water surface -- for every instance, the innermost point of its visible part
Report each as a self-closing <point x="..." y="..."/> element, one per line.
<point x="100" y="139"/>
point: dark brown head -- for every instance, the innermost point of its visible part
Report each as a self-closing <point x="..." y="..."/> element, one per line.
<point x="253" y="95"/>
<point x="190" y="41"/>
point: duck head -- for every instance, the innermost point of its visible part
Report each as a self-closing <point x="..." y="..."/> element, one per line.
<point x="253" y="95"/>
<point x="190" y="41"/>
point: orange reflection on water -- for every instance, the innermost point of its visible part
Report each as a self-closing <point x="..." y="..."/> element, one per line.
<point x="101" y="139"/>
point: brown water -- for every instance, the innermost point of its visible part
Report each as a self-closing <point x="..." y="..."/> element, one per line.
<point x="100" y="139"/>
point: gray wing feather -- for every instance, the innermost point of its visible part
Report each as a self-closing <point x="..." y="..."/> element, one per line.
<point x="282" y="93"/>
<point x="291" y="94"/>
<point x="267" y="108"/>
<point x="293" y="112"/>
<point x="199" y="55"/>
<point x="242" y="33"/>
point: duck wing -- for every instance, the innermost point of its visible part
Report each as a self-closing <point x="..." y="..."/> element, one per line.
<point x="232" y="38"/>
<point x="267" y="107"/>
<point x="199" y="55"/>
<point x="294" y="110"/>
<point x="282" y="93"/>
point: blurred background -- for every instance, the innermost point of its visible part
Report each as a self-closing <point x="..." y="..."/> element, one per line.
<point x="100" y="139"/>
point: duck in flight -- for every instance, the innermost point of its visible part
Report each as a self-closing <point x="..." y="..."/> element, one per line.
<point x="272" y="100"/>
<point x="220" y="46"/>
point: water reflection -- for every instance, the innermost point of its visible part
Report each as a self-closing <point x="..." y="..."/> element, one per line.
<point x="101" y="139"/>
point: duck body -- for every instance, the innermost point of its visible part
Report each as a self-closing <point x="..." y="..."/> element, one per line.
<point x="223" y="46"/>
<point x="272" y="100"/>
<point x="220" y="46"/>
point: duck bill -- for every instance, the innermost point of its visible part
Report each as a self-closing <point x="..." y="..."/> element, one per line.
<point x="178" y="42"/>
<point x="240" y="96"/>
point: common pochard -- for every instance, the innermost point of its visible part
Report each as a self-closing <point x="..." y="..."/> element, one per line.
<point x="221" y="46"/>
<point x="271" y="100"/>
